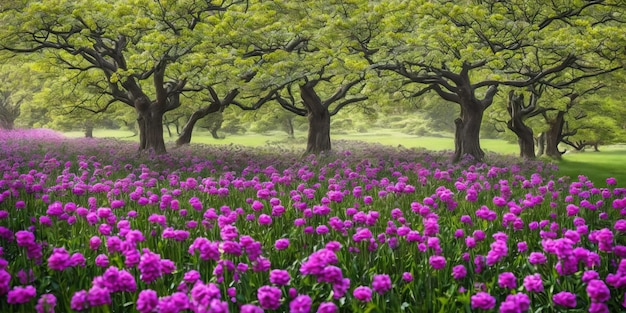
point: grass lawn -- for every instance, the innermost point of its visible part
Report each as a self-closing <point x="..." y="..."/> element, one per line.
<point x="610" y="162"/>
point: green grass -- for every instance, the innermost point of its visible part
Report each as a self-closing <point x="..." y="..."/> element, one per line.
<point x="610" y="162"/>
<point x="597" y="166"/>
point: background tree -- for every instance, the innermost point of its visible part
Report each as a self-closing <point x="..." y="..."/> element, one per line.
<point x="470" y="49"/>
<point x="16" y="87"/>
<point x="125" y="46"/>
<point x="303" y="49"/>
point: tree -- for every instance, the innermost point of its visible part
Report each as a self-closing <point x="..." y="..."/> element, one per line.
<point x="304" y="49"/>
<point x="17" y="84"/>
<point x="215" y="105"/>
<point x="124" y="46"/>
<point x="519" y="111"/>
<point x="470" y="49"/>
<point x="318" y="110"/>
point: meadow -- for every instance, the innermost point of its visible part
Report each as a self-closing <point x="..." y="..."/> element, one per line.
<point x="90" y="225"/>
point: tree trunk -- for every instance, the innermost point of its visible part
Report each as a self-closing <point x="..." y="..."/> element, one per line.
<point x="6" y="123"/>
<point x="89" y="130"/>
<point x="150" y="122"/>
<point x="526" y="145"/>
<point x="541" y="144"/>
<point x="185" y="136"/>
<point x="468" y="133"/>
<point x="318" y="139"/>
<point x="553" y="136"/>
<point x="525" y="137"/>
<point x="215" y="127"/>
<point x="458" y="140"/>
<point x="169" y="131"/>
<point x="289" y="126"/>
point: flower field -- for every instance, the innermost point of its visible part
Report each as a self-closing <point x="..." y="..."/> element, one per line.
<point x="91" y="226"/>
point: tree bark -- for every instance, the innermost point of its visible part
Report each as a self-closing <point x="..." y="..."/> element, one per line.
<point x="7" y="123"/>
<point x="525" y="136"/>
<point x="216" y="126"/>
<point x="150" y="122"/>
<point x="318" y="139"/>
<point x="553" y="136"/>
<point x="541" y="144"/>
<point x="185" y="136"/>
<point x="458" y="141"/>
<point x="289" y="127"/>
<point x="89" y="130"/>
<point x="468" y="133"/>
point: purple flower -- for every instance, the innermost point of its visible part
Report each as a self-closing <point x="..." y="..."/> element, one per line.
<point x="340" y="289"/>
<point x="126" y="282"/>
<point x="279" y="277"/>
<point x="596" y="307"/>
<point x="589" y="276"/>
<point x="265" y="219"/>
<point x="79" y="301"/>
<point x="327" y="307"/>
<point x="94" y="242"/>
<point x="281" y="244"/>
<point x="515" y="303"/>
<point x="147" y="301"/>
<point x="437" y="262"/>
<point x="250" y="308"/>
<point x="102" y="260"/>
<point x="150" y="266"/>
<point x="46" y="303"/>
<point x="533" y="283"/>
<point x="537" y="258"/>
<point x="191" y="276"/>
<point x="25" y="277"/>
<point x="507" y="280"/>
<point x="565" y="299"/>
<point x="269" y="297"/>
<point x="77" y="259"/>
<point x="381" y="283"/>
<point x="301" y="304"/>
<point x="330" y="274"/>
<point x="5" y="282"/>
<point x="59" y="259"/>
<point x="202" y="294"/>
<point x="98" y="296"/>
<point x="363" y="293"/>
<point x="407" y="277"/>
<point x="483" y="300"/>
<point x="21" y="295"/>
<point x="24" y="238"/>
<point x="459" y="272"/>
<point x="317" y="261"/>
<point x="598" y="291"/>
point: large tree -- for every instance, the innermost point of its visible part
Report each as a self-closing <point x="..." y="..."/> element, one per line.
<point x="304" y="47"/>
<point x="130" y="49"/>
<point x="466" y="51"/>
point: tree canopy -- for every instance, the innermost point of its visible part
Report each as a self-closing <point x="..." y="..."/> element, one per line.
<point x="310" y="58"/>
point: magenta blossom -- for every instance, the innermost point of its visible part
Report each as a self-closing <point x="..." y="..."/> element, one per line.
<point x="565" y="299"/>
<point x="363" y="293"/>
<point x="381" y="283"/>
<point x="483" y="300"/>
<point x="19" y="295"/>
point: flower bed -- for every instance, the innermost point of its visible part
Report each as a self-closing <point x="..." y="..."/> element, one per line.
<point x="90" y="225"/>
